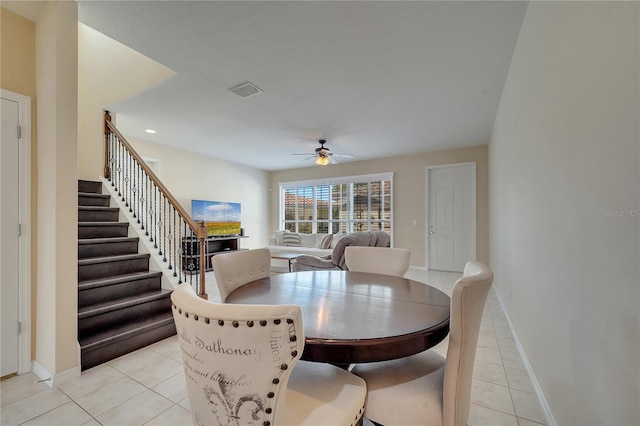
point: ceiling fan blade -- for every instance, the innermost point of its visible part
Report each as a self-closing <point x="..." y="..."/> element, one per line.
<point x="324" y="152"/>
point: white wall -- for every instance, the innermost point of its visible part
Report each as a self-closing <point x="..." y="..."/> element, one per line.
<point x="193" y="176"/>
<point x="563" y="159"/>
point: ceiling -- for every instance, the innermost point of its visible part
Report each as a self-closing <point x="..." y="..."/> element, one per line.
<point x="373" y="78"/>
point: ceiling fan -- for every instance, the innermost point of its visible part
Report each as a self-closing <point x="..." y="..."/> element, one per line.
<point x="324" y="156"/>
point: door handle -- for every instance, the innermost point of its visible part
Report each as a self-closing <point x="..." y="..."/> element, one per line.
<point x="432" y="232"/>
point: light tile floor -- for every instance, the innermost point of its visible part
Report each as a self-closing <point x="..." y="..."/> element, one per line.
<point x="147" y="387"/>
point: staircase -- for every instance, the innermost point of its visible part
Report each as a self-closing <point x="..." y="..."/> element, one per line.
<point x="121" y="304"/>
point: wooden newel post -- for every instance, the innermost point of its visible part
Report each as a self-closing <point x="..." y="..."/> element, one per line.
<point x="107" y="118"/>
<point x="202" y="236"/>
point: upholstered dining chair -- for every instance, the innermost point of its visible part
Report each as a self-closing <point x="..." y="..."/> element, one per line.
<point x="426" y="389"/>
<point x="237" y="268"/>
<point x="378" y="260"/>
<point x="242" y="367"/>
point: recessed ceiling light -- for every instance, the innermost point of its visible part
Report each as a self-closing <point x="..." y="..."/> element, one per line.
<point x="150" y="131"/>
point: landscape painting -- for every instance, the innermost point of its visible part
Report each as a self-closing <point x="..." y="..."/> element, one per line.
<point x="220" y="217"/>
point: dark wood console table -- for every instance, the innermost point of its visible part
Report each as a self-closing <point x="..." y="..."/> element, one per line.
<point x="213" y="246"/>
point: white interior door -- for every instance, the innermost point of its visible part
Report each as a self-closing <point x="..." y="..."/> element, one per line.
<point x="451" y="216"/>
<point x="9" y="247"/>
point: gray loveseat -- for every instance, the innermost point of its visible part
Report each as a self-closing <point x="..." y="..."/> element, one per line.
<point x="335" y="260"/>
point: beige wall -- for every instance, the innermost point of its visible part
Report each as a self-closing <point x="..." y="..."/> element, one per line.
<point x="18" y="54"/>
<point x="564" y="158"/>
<point x="56" y="70"/>
<point x="40" y="60"/>
<point x="108" y="72"/>
<point x="18" y="74"/>
<point x="409" y="193"/>
<point x="192" y="176"/>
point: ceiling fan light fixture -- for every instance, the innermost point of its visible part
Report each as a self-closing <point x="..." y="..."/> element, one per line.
<point x="322" y="160"/>
<point x="323" y="156"/>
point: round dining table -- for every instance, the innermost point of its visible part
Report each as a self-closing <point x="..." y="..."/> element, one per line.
<point x="356" y="317"/>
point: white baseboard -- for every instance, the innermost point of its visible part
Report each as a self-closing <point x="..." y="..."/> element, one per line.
<point x="536" y="385"/>
<point x="417" y="268"/>
<point x="43" y="374"/>
<point x="52" y="380"/>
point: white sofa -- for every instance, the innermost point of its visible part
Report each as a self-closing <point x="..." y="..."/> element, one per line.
<point x="309" y="243"/>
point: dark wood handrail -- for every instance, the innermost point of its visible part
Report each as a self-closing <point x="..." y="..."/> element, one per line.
<point x="198" y="228"/>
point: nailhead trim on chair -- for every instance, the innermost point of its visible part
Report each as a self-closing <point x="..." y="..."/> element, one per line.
<point x="359" y="416"/>
<point x="283" y="367"/>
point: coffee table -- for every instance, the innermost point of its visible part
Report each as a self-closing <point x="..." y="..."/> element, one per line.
<point x="356" y="317"/>
<point x="286" y="256"/>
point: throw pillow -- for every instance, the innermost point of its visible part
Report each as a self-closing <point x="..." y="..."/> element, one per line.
<point x="291" y="239"/>
<point x="307" y="240"/>
<point x="278" y="237"/>
<point x="319" y="238"/>
<point x="326" y="241"/>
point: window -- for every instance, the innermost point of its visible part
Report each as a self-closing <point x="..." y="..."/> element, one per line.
<point x="346" y="204"/>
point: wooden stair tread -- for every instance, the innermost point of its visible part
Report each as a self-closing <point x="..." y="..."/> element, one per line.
<point x="103" y="224"/>
<point x="114" y="258"/>
<point x="104" y="240"/>
<point x="116" y="279"/>
<point x="123" y="331"/>
<point x="99" y="208"/>
<point x="93" y="195"/>
<point x="125" y="302"/>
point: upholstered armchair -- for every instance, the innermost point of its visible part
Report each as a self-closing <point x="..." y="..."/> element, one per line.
<point x="242" y="367"/>
<point x="336" y="259"/>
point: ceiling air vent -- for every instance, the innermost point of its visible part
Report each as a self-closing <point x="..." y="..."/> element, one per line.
<point x="245" y="90"/>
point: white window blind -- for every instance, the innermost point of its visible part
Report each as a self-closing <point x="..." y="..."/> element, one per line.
<point x="343" y="204"/>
